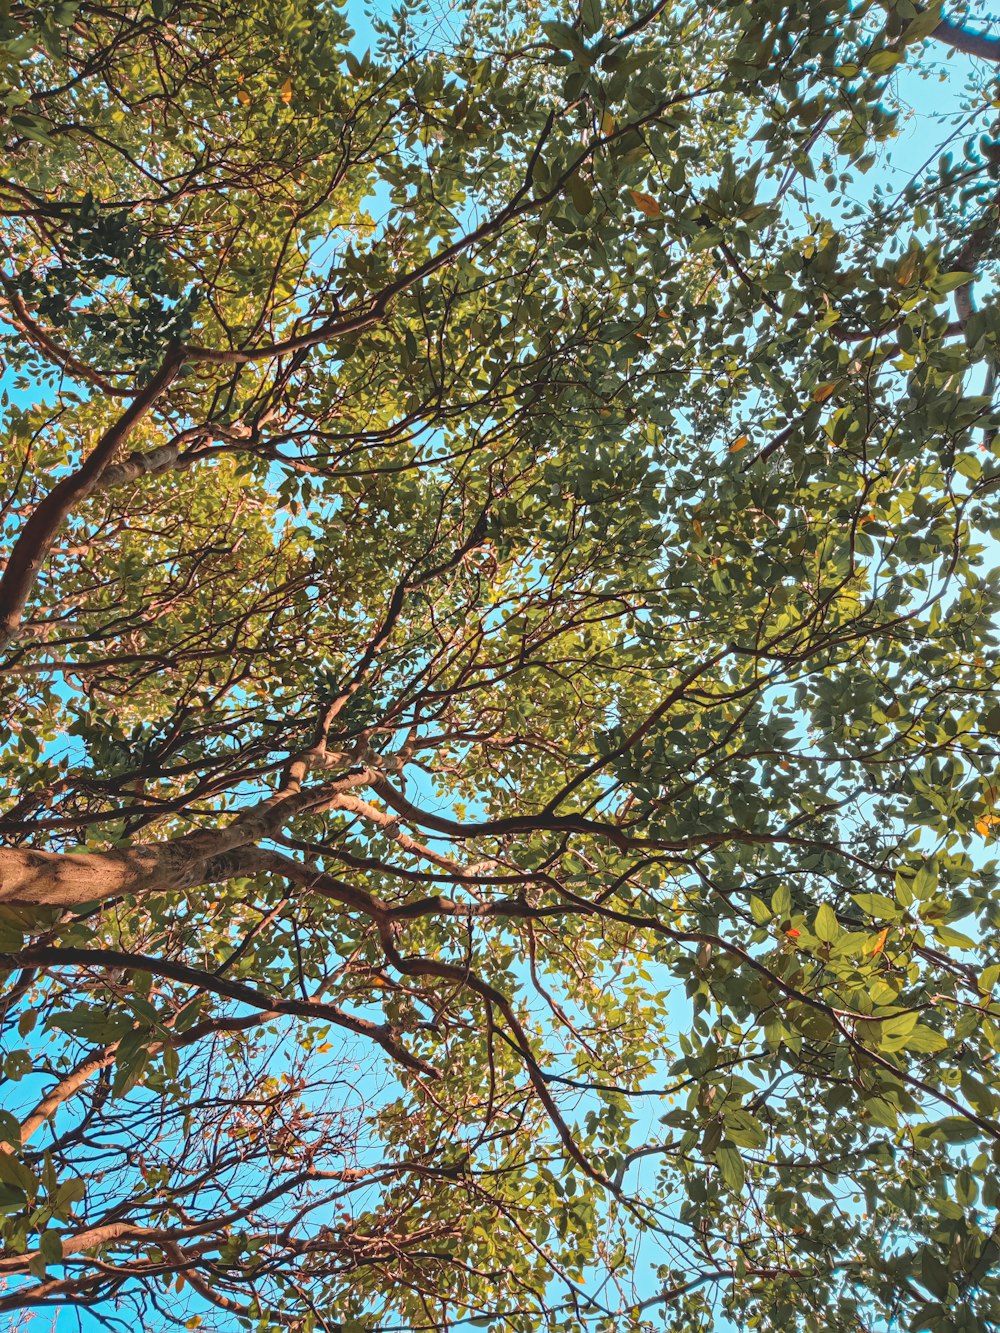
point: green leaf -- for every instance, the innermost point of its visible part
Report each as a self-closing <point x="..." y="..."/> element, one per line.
<point x="953" y="938"/>
<point x="14" y="1172"/>
<point x="881" y="1113"/>
<point x="51" y="1246"/>
<point x="948" y="282"/>
<point x="826" y="926"/>
<point x="96" y="1025"/>
<point x="16" y="1064"/>
<point x="579" y="192"/>
<point x="129" y="1071"/>
<point x="590" y="16"/>
<point x="759" y="910"/>
<point x="955" y="1129"/>
<point x="10" y="1129"/>
<point x="900" y="1024"/>
<point x="730" y="1166"/>
<point x="561" y="35"/>
<point x="11" y="936"/>
<point x="923" y="25"/>
<point x="744" y="1129"/>
<point x="877" y="905"/>
<point x="925" y="1040"/>
<point x="69" y="1191"/>
<point x="881" y="62"/>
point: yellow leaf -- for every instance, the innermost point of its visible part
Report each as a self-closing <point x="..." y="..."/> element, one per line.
<point x="645" y="203"/>
<point x="823" y="391"/>
<point x="607" y="123"/>
<point x="243" y="97"/>
<point x="907" y="269"/>
<point x="738" y="444"/>
<point x="286" y="91"/>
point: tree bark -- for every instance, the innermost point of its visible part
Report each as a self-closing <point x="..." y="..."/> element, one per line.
<point x="970" y="43"/>
<point x="33" y="878"/>
<point x="30" y="877"/>
<point x="41" y="529"/>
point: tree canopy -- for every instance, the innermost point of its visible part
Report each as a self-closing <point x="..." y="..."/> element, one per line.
<point x="498" y="649"/>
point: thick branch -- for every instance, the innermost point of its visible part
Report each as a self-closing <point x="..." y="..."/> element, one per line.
<point x="33" y="878"/>
<point x="35" y="541"/>
<point x="970" y="43"/>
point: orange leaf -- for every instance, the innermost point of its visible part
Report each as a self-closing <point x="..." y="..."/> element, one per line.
<point x="906" y="269"/>
<point x="645" y="203"/>
<point x="793" y="934"/>
<point x="880" y="940"/>
<point x="243" y="97"/>
<point x="286" y="91"/>
<point x="738" y="444"/>
<point x="823" y="391"/>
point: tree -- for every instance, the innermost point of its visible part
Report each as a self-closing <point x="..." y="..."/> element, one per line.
<point x="498" y="647"/>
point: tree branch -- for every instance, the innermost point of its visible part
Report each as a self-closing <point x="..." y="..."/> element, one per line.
<point x="970" y="43"/>
<point x="35" y="541"/>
